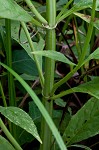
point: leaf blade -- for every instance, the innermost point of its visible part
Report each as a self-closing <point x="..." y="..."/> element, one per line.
<point x="20" y="118"/>
<point x="11" y="10"/>
<point x="54" y="55"/>
<point x="41" y="108"/>
<point x="81" y="124"/>
<point x="4" y="144"/>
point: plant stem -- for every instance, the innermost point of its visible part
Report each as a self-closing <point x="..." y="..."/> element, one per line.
<point x="37" y="14"/>
<point x="9" y="136"/>
<point x="64" y="9"/>
<point x="84" y="51"/>
<point x="3" y="96"/>
<point x="62" y="94"/>
<point x="33" y="49"/>
<point x="11" y="87"/>
<point x="49" y="73"/>
<point x="39" y="104"/>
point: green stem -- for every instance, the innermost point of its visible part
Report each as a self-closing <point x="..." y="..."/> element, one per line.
<point x="62" y="94"/>
<point x="63" y="9"/>
<point x="84" y="51"/>
<point x="3" y="96"/>
<point x="46" y="134"/>
<point x="9" y="136"/>
<point x="33" y="49"/>
<point x="42" y="109"/>
<point x="11" y="87"/>
<point x="37" y="14"/>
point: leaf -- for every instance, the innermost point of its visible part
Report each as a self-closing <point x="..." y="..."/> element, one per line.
<point x="5" y="145"/>
<point x="61" y="2"/>
<point x="81" y="146"/>
<point x="94" y="55"/>
<point x="28" y="137"/>
<point x="28" y="77"/>
<point x="34" y="112"/>
<point x="21" y="119"/>
<point x="40" y="106"/>
<point x="54" y="55"/>
<point x="22" y="63"/>
<point x="78" y="5"/>
<point x="91" y="87"/>
<point x="97" y="5"/>
<point x="60" y="102"/>
<point x="11" y="10"/>
<point x="84" y="124"/>
<point x="39" y="46"/>
<point x="15" y="26"/>
<point x="87" y="18"/>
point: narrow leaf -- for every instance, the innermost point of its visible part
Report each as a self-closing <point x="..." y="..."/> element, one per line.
<point x="87" y="18"/>
<point x="5" y="145"/>
<point x="94" y="55"/>
<point x="84" y="124"/>
<point x="78" y="5"/>
<point x="11" y="10"/>
<point x="81" y="146"/>
<point x="20" y="118"/>
<point x="91" y="87"/>
<point x="54" y="55"/>
<point x="41" y="108"/>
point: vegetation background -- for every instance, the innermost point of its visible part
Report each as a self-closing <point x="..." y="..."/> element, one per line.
<point x="49" y="68"/>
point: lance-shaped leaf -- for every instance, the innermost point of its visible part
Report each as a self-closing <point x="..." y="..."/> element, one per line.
<point x="11" y="10"/>
<point x="91" y="87"/>
<point x="4" y="144"/>
<point x="78" y="5"/>
<point x="94" y="55"/>
<point x="54" y="55"/>
<point x="21" y="119"/>
<point x="41" y="108"/>
<point x="87" y="18"/>
<point x="84" y="124"/>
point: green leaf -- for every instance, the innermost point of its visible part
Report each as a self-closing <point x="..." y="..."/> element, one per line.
<point x="28" y="77"/>
<point x="94" y="55"/>
<point x="11" y="10"/>
<point x="54" y="55"/>
<point x="15" y="27"/>
<point x="60" y="102"/>
<point x="39" y="46"/>
<point x="78" y="5"/>
<point x="84" y="124"/>
<point x="87" y="18"/>
<point x="34" y="112"/>
<point x="91" y="87"/>
<point x="5" y="145"/>
<point x="41" y="108"/>
<point x="28" y="137"/>
<point x="21" y="119"/>
<point x="81" y="146"/>
<point x="61" y="2"/>
<point x="22" y="63"/>
<point x="97" y="5"/>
